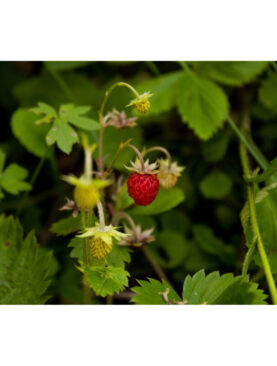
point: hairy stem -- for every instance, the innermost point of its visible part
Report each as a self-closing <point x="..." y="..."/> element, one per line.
<point x="255" y="226"/>
<point x="138" y="155"/>
<point x="162" y="149"/>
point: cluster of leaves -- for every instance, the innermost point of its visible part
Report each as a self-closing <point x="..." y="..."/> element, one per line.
<point x="196" y="224"/>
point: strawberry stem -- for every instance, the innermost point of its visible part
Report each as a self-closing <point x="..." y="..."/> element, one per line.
<point x="139" y="156"/>
<point x="159" y="148"/>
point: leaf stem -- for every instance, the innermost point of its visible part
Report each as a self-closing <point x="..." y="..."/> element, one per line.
<point x="255" y="225"/>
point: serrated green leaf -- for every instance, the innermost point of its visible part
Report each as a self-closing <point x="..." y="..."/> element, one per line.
<point x="215" y="185"/>
<point x="49" y="113"/>
<point x="107" y="280"/>
<point x="202" y="104"/>
<point x="268" y="91"/>
<point x="25" y="268"/>
<point x="154" y="292"/>
<point x="30" y="135"/>
<point x="165" y="91"/>
<point x="66" y="226"/>
<point x="12" y="179"/>
<point x="165" y="200"/>
<point x="225" y="289"/>
<point x="119" y="256"/>
<point x="234" y="73"/>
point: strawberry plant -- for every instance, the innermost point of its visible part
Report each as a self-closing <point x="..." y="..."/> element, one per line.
<point x="159" y="189"/>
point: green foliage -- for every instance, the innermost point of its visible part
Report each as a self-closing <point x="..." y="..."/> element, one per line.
<point x="25" y="268"/>
<point x="30" y="135"/>
<point x="66" y="226"/>
<point x="165" y="200"/>
<point x="154" y="292"/>
<point x="272" y="169"/>
<point x="215" y="185"/>
<point x="225" y="289"/>
<point x="12" y="177"/>
<point x="165" y="91"/>
<point x="61" y="132"/>
<point x="234" y="73"/>
<point x="107" y="280"/>
<point x="202" y="104"/>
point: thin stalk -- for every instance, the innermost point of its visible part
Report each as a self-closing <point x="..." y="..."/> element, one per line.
<point x="138" y="155"/>
<point x="85" y="241"/>
<point x="255" y="152"/>
<point x="255" y="226"/>
<point x="157" y="268"/>
<point x="159" y="148"/>
<point x="101" y="215"/>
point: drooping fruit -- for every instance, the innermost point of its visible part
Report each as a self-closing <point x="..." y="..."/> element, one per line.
<point x="143" y="188"/>
<point x="99" y="248"/>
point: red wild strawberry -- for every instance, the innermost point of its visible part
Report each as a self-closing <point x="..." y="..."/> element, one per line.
<point x="143" y="188"/>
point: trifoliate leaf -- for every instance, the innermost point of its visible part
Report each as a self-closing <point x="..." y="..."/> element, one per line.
<point x="215" y="185"/>
<point x="234" y="73"/>
<point x="107" y="280"/>
<point x="268" y="91"/>
<point x="165" y="200"/>
<point x="29" y="134"/>
<point x="165" y="91"/>
<point x="61" y="132"/>
<point x="225" y="289"/>
<point x="12" y="178"/>
<point x="154" y="292"/>
<point x="66" y="226"/>
<point x="24" y="267"/>
<point x="202" y="104"/>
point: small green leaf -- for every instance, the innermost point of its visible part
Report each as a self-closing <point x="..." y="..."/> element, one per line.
<point x="165" y="200"/>
<point x="49" y="113"/>
<point x="73" y="114"/>
<point x="66" y="226"/>
<point x="30" y="135"/>
<point x="225" y="289"/>
<point x="234" y="73"/>
<point x="202" y="104"/>
<point x="154" y="292"/>
<point x="64" y="135"/>
<point x="107" y="280"/>
<point x="216" y="185"/>
<point x="272" y="169"/>
<point x="12" y="179"/>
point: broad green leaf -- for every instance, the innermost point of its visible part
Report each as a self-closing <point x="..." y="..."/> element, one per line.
<point x="234" y="73"/>
<point x="154" y="292"/>
<point x="165" y="90"/>
<point x="202" y="104"/>
<point x="30" y="135"/>
<point x="48" y="112"/>
<point x="66" y="65"/>
<point x="107" y="280"/>
<point x="215" y="148"/>
<point x="268" y="91"/>
<point x="66" y="226"/>
<point x="119" y="256"/>
<point x="225" y="289"/>
<point x="74" y="114"/>
<point x="170" y="249"/>
<point x="213" y="245"/>
<point x="25" y="268"/>
<point x="272" y="169"/>
<point x="165" y="200"/>
<point x="63" y="135"/>
<point x="77" y="251"/>
<point x="216" y="185"/>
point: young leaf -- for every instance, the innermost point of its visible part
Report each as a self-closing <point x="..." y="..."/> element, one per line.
<point x="272" y="169"/>
<point x="202" y="104"/>
<point x="30" y="135"/>
<point x="25" y="268"/>
<point x="165" y="91"/>
<point x="63" y="135"/>
<point x="165" y="200"/>
<point x="107" y="280"/>
<point x="225" y="289"/>
<point x="73" y="114"/>
<point x="216" y="185"/>
<point x="154" y="292"/>
<point x="234" y="73"/>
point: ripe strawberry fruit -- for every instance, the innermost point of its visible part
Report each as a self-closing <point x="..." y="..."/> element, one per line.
<point x="143" y="188"/>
